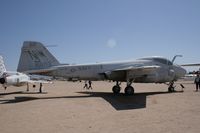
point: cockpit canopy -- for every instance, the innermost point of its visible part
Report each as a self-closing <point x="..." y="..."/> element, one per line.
<point x="158" y="59"/>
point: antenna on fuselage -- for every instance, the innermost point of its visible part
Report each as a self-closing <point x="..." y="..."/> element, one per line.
<point x="175" y="57"/>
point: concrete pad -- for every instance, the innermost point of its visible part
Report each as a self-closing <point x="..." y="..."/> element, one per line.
<point x="66" y="107"/>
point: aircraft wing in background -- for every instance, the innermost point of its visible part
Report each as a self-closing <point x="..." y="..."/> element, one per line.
<point x="191" y="64"/>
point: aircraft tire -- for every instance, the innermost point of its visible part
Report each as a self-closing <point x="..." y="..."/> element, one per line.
<point x="129" y="90"/>
<point x="116" y="89"/>
<point x="171" y="89"/>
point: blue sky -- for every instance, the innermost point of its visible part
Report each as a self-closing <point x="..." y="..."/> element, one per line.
<point x="102" y="30"/>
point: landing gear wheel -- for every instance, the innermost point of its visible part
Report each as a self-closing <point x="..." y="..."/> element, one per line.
<point x="171" y="89"/>
<point x="116" y="89"/>
<point x="129" y="90"/>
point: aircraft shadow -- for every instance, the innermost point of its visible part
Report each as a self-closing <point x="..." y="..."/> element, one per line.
<point x="124" y="102"/>
<point x="11" y="93"/>
<point x="20" y="92"/>
<point x="119" y="102"/>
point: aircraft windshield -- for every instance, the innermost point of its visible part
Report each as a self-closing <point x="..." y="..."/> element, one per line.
<point x="159" y="59"/>
<point x="163" y="61"/>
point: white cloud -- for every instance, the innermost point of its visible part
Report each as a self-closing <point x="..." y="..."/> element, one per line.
<point x="111" y="43"/>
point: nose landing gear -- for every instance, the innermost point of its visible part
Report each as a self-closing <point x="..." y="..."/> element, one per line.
<point x="171" y="87"/>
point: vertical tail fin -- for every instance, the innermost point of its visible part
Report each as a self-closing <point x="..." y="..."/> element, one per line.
<point x="2" y="66"/>
<point x="35" y="56"/>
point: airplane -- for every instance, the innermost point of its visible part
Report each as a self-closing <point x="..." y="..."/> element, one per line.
<point x="36" y="59"/>
<point x="12" y="78"/>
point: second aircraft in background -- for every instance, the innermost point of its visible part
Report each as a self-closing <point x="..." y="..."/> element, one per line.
<point x="11" y="78"/>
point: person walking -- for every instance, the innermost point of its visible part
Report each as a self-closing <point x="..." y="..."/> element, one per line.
<point x="90" y="84"/>
<point x="86" y="85"/>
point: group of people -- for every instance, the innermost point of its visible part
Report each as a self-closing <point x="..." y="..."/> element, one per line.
<point x="197" y="82"/>
<point x="88" y="85"/>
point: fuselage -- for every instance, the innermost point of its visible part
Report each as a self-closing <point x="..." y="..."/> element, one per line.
<point x="106" y="71"/>
<point x="14" y="78"/>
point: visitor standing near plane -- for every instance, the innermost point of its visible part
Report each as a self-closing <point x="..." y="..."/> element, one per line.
<point x="197" y="82"/>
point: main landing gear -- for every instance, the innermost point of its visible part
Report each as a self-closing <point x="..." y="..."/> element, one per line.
<point x="129" y="90"/>
<point x="116" y="89"/>
<point x="40" y="89"/>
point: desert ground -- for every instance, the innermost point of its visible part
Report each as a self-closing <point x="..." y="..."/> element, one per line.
<point x="65" y="107"/>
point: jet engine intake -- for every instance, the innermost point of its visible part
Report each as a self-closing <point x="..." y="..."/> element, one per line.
<point x="2" y="80"/>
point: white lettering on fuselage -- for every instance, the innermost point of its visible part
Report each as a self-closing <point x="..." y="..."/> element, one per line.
<point x="80" y="68"/>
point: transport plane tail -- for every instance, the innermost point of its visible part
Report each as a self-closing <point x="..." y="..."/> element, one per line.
<point x="35" y="56"/>
<point x="2" y="66"/>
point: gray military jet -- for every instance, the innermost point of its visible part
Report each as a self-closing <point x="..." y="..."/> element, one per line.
<point x="36" y="59"/>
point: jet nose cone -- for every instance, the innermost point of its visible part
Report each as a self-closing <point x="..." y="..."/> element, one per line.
<point x="182" y="71"/>
<point x="179" y="72"/>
